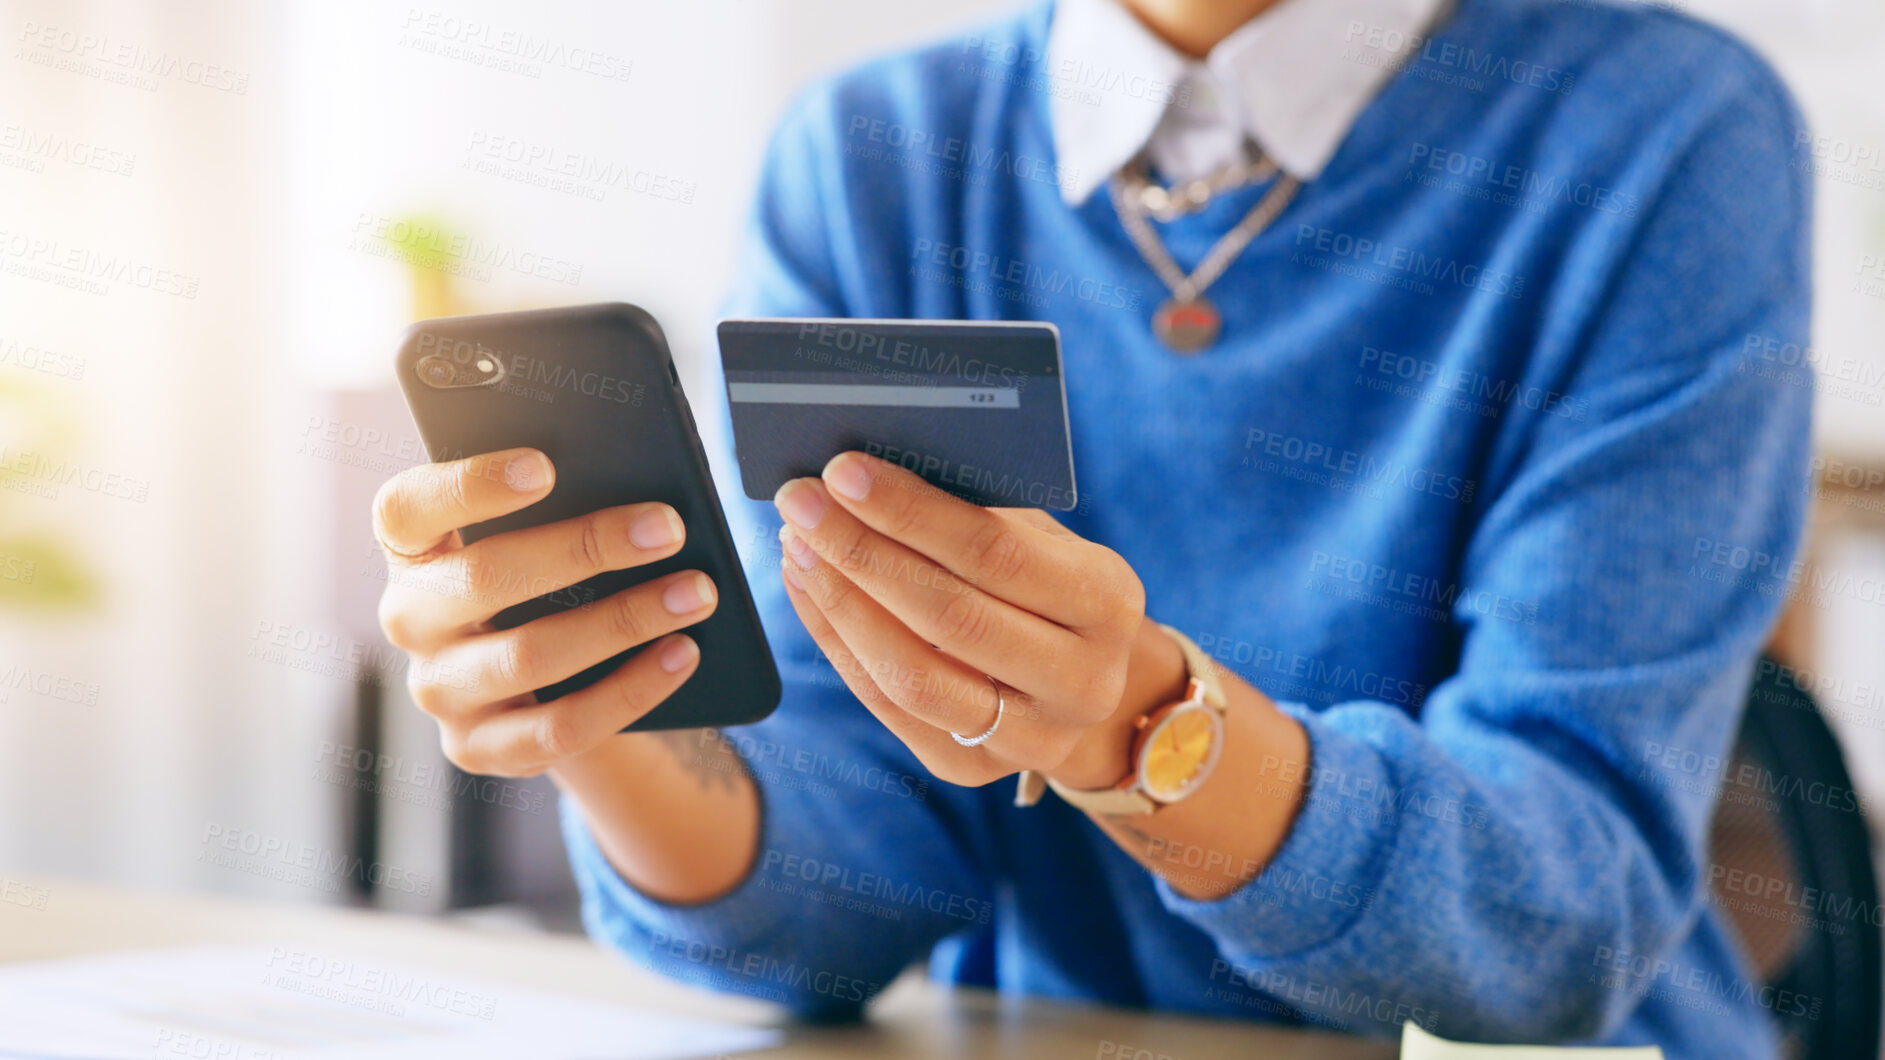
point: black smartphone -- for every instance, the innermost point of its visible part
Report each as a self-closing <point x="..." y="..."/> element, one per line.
<point x="595" y="389"/>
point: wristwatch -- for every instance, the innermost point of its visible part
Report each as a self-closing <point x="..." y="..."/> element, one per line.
<point x="1175" y="747"/>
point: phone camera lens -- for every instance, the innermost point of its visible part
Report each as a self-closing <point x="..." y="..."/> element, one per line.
<point x="436" y="370"/>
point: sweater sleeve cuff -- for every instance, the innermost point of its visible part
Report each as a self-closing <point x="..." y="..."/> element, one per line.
<point x="657" y="933"/>
<point x="1327" y="873"/>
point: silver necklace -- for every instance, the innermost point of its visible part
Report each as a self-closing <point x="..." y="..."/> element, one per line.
<point x="1187" y="321"/>
<point x="1169" y="204"/>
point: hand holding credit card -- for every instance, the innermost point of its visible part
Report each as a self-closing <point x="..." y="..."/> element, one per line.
<point x="977" y="409"/>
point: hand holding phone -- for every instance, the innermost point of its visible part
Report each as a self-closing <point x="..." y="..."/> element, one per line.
<point x="539" y="571"/>
<point x="478" y="680"/>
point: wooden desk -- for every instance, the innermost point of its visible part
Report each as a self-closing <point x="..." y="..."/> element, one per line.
<point x="912" y="1019"/>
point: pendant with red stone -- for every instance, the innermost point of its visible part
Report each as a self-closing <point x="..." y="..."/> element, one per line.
<point x="1187" y="325"/>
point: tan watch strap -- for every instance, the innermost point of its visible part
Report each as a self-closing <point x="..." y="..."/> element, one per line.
<point x="1115" y="802"/>
<point x="1200" y="666"/>
<point x="1106" y="802"/>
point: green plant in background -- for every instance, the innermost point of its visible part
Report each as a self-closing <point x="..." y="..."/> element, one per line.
<point x="38" y="572"/>
<point x="433" y="252"/>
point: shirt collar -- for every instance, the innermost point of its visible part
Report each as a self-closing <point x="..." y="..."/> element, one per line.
<point x="1294" y="78"/>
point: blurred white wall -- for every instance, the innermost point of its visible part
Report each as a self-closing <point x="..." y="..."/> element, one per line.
<point x="244" y="160"/>
<point x="141" y="184"/>
<point x="249" y="152"/>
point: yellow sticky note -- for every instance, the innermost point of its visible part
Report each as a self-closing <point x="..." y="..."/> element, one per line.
<point x="1417" y="1044"/>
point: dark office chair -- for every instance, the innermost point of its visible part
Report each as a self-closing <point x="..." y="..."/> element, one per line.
<point x="1794" y="832"/>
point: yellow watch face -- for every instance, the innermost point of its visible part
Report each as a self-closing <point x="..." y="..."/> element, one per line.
<point x="1178" y="753"/>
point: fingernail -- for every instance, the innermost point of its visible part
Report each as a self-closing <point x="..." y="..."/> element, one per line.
<point x="688" y="595"/>
<point x="801" y="552"/>
<point x="677" y="653"/>
<point x="525" y="473"/>
<point x="848" y="477"/>
<point x="793" y="577"/>
<point x="657" y="529"/>
<point x="800" y="502"/>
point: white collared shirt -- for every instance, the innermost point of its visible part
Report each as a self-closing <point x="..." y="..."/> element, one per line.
<point x="1293" y="79"/>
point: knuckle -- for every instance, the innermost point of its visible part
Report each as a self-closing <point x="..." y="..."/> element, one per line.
<point x="1096" y="695"/>
<point x="1056" y="746"/>
<point x="858" y="678"/>
<point x="451" y="486"/>
<point x="905" y="513"/>
<point x="631" y="697"/>
<point x="629" y="620"/>
<point x="1018" y="705"/>
<point x="1125" y="587"/>
<point x="996" y="552"/>
<point x="388" y="503"/>
<point x="834" y="593"/>
<point x="920" y="693"/>
<point x="590" y="549"/>
<point x="456" y="746"/>
<point x="559" y="734"/>
<point x="476" y="572"/>
<point x="517" y="661"/>
<point x="854" y="554"/>
<point x="964" y="621"/>
<point x="390" y="522"/>
<point x="396" y="622"/>
<point x="427" y="696"/>
<point x="1110" y="594"/>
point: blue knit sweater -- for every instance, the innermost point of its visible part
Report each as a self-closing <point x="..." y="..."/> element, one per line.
<point x="1482" y="484"/>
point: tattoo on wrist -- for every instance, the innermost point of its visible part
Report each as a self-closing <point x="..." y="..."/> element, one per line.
<point x="707" y="755"/>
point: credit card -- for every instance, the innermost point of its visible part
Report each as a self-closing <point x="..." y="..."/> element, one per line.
<point x="977" y="409"/>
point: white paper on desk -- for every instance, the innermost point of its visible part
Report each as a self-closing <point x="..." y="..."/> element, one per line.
<point x="1417" y="1044"/>
<point x="295" y="1003"/>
